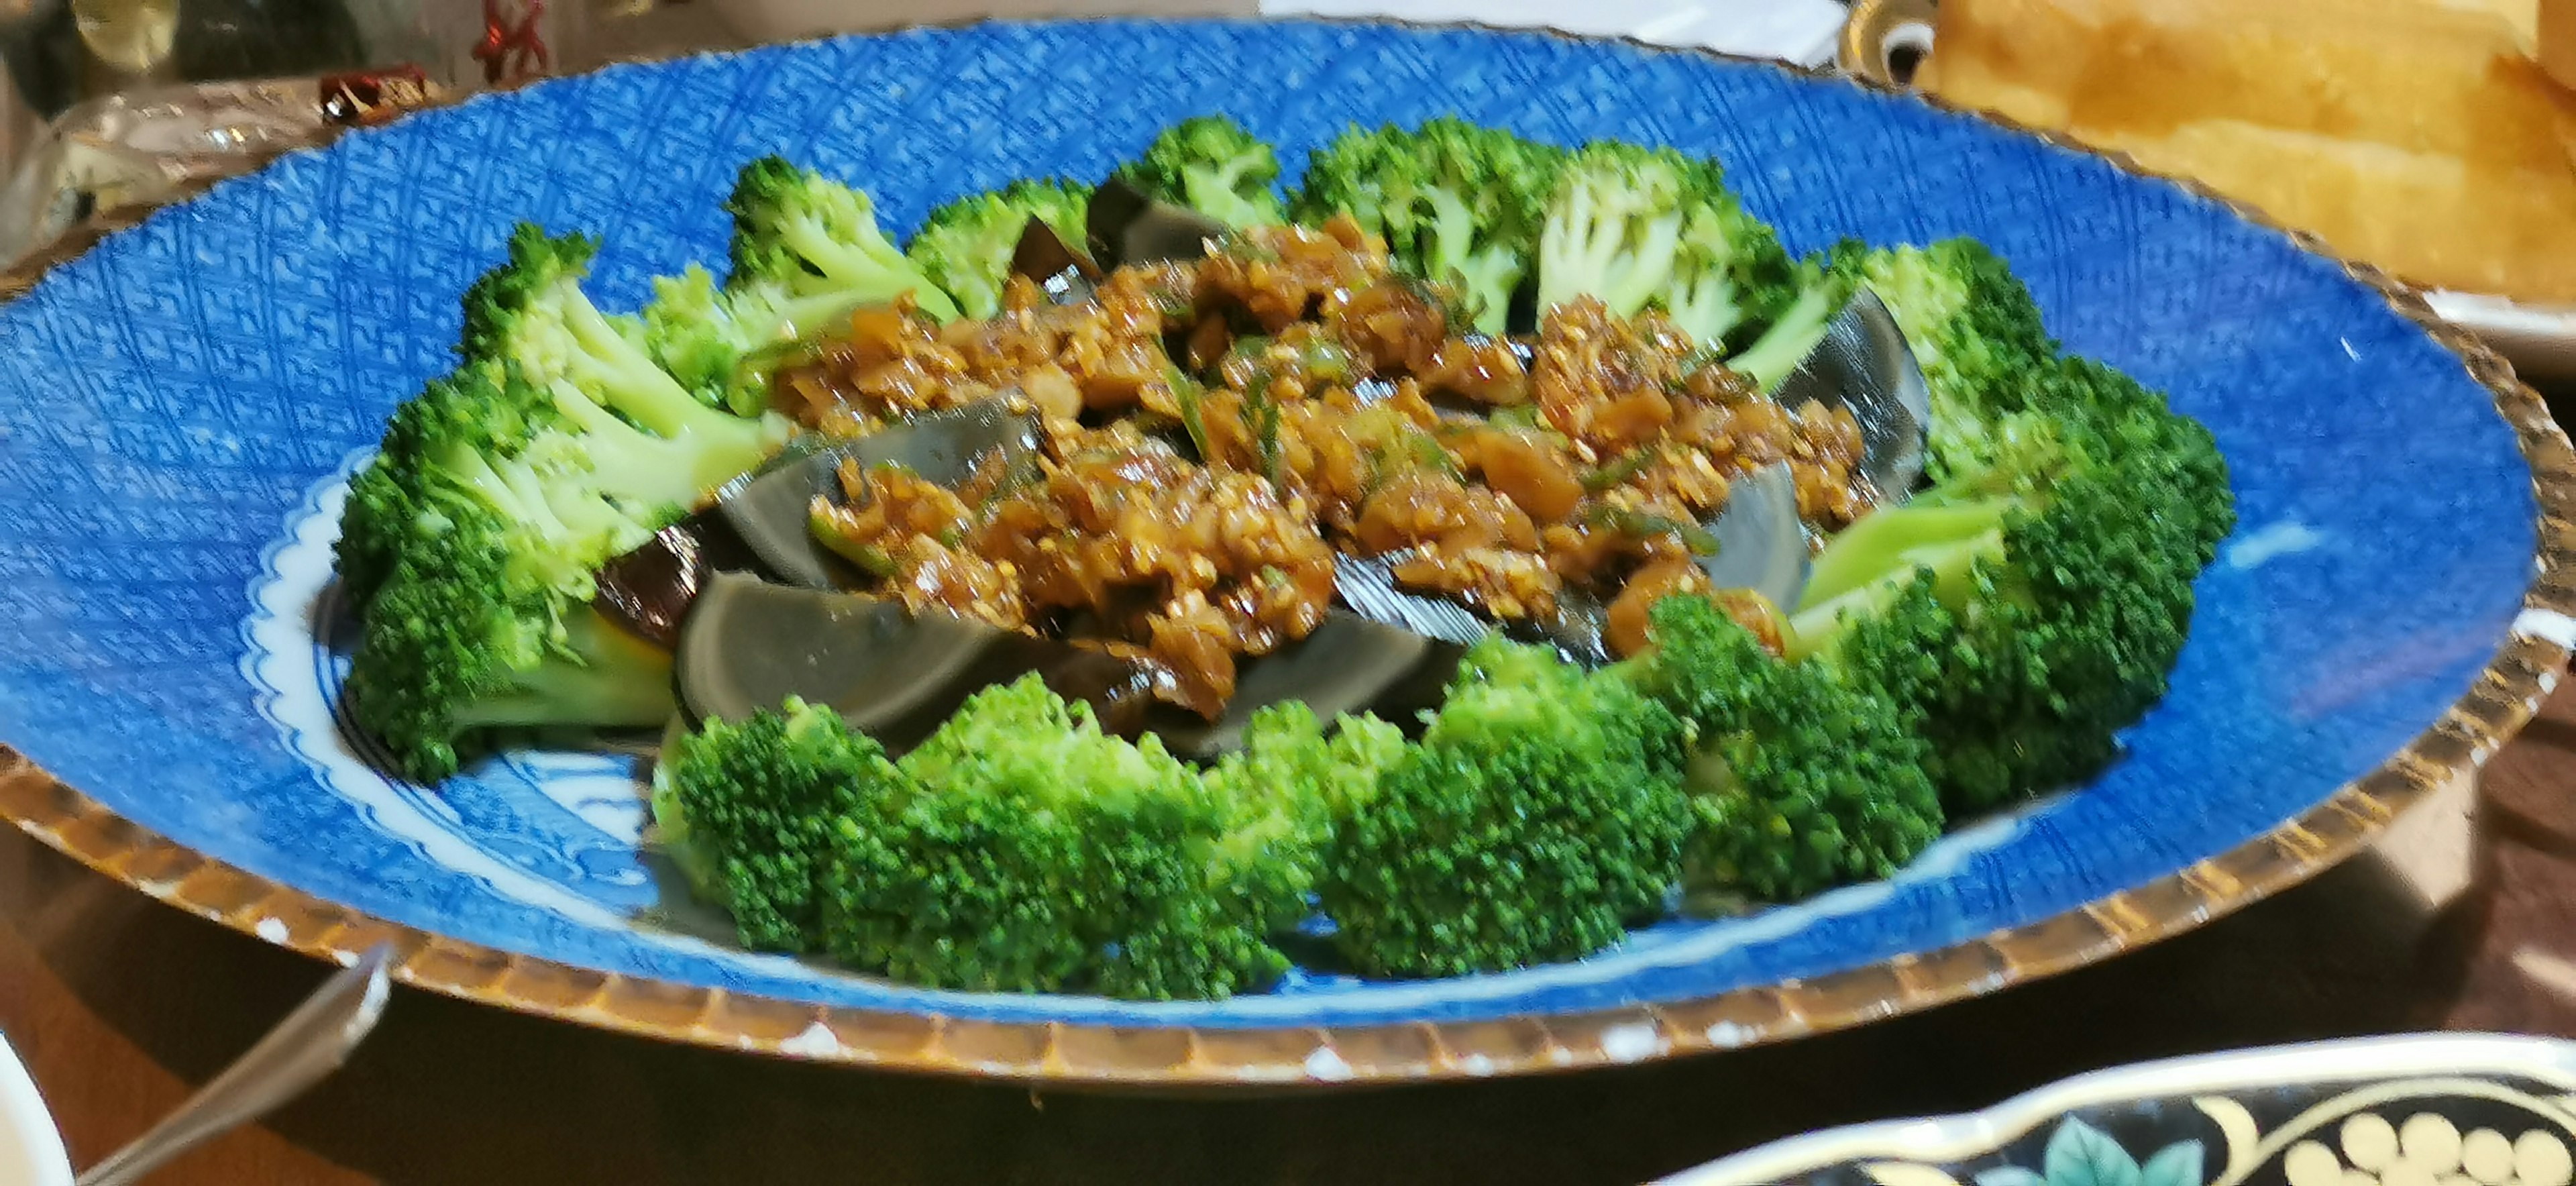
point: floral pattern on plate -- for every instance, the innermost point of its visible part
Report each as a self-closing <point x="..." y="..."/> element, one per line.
<point x="2444" y="1112"/>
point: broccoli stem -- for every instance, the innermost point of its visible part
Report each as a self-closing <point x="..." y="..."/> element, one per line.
<point x="627" y="462"/>
<point x="1790" y="339"/>
<point x="627" y="379"/>
<point x="1890" y="540"/>
<point x="871" y="271"/>
<point x="1707" y="308"/>
<point x="1583" y="249"/>
<point x="1873" y="561"/>
<point x="800" y="318"/>
<point x="599" y="676"/>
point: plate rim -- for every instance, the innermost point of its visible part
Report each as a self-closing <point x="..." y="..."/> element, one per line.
<point x="2505" y="695"/>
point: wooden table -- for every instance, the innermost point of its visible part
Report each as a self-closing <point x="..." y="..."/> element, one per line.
<point x="2466" y="919"/>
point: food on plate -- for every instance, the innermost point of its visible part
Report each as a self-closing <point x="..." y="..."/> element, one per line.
<point x="2417" y="136"/>
<point x="1440" y="569"/>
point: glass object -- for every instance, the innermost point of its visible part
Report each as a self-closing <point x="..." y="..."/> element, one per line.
<point x="134" y="36"/>
<point x="108" y="104"/>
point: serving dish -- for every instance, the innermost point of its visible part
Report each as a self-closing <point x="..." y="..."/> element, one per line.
<point x="183" y="401"/>
<point x="2490" y="1109"/>
<point x="1884" y="41"/>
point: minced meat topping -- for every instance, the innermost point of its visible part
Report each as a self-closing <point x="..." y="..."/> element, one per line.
<point x="1219" y="433"/>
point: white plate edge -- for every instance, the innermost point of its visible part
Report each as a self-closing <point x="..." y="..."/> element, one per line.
<point x="29" y="1125"/>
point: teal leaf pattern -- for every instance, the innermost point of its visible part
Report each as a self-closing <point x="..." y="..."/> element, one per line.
<point x="2082" y="1155"/>
<point x="2010" y="1175"/>
<point x="2177" y="1164"/>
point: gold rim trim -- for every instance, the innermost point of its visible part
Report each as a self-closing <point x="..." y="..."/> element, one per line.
<point x="2503" y="698"/>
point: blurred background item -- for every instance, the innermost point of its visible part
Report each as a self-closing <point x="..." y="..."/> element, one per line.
<point x="118" y="105"/>
<point x="2416" y="136"/>
<point x="2427" y="137"/>
<point x="111" y="105"/>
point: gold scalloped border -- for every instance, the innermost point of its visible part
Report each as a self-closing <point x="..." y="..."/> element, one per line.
<point x="2504" y="697"/>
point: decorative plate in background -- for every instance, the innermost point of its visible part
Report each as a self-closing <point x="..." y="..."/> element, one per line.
<point x="2451" y="1110"/>
<point x="180" y="407"/>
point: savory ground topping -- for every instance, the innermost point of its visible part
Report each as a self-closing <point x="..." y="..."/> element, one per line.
<point x="1221" y="432"/>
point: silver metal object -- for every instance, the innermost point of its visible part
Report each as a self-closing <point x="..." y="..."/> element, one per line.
<point x="1863" y="363"/>
<point x="302" y="1050"/>
<point x="109" y="105"/>
<point x="1761" y="541"/>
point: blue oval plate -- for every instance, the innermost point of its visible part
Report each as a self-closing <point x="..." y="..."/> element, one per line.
<point x="179" y="407"/>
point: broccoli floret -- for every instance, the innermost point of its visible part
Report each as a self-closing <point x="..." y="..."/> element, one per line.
<point x="1800" y="779"/>
<point x="1210" y="164"/>
<point x="753" y="808"/>
<point x="458" y="419"/>
<point x="2029" y="607"/>
<point x="562" y="481"/>
<point x="498" y="491"/>
<point x="471" y="634"/>
<point x="439" y="440"/>
<point x="689" y="332"/>
<point x="375" y="523"/>
<point x="1038" y="854"/>
<point x="818" y="239"/>
<point x="1973" y="328"/>
<point x="1457" y="204"/>
<point x="721" y="344"/>
<point x="965" y="247"/>
<point x="1286" y="791"/>
<point x="642" y="430"/>
<point x="382" y="512"/>
<point x="1539" y="815"/>
<point x="1636" y="226"/>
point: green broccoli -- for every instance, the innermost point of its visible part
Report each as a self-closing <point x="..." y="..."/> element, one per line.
<point x="689" y="331"/>
<point x="1210" y="164"/>
<point x="1287" y="790"/>
<point x="467" y="416"/>
<point x="1817" y="288"/>
<point x="721" y="344"/>
<point x="1800" y="779"/>
<point x="470" y="634"/>
<point x="643" y="432"/>
<point x="380" y="514"/>
<point x="751" y="810"/>
<point x="965" y="247"/>
<point x="1457" y="204"/>
<point x="1971" y="324"/>
<point x="818" y="238"/>
<point x="1638" y="227"/>
<point x="1974" y="330"/>
<point x="1035" y="853"/>
<point x="2031" y="605"/>
<point x="1539" y="815"/>
<point x="497" y="493"/>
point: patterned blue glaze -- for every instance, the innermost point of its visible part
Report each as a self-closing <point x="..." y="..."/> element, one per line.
<point x="176" y="409"/>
